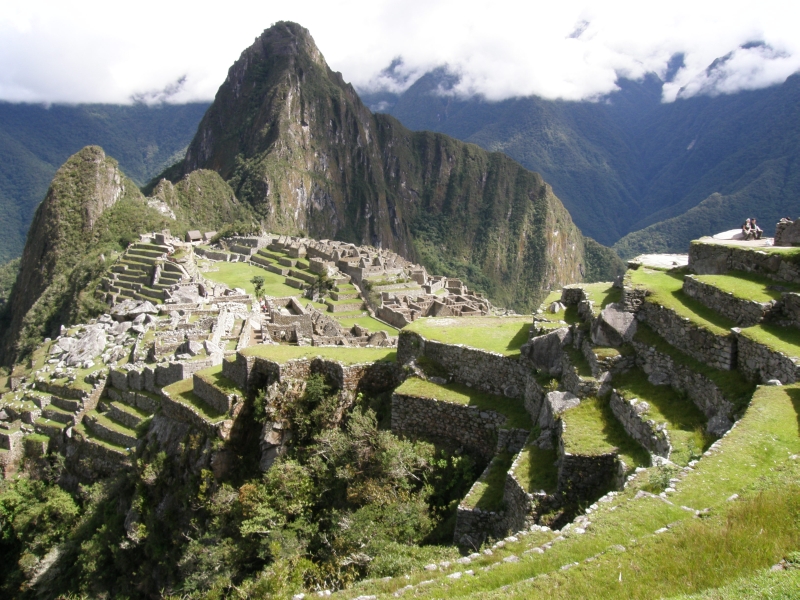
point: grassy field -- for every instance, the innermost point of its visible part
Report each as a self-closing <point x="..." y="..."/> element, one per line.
<point x="642" y="548"/>
<point x="782" y="339"/>
<point x="181" y="391"/>
<point x="748" y="286"/>
<point x="685" y="422"/>
<point x="368" y="322"/>
<point x="666" y="289"/>
<point x="504" y="335"/>
<point x="536" y="469"/>
<point x="513" y="409"/>
<point x="592" y="429"/>
<point x="238" y="275"/>
<point x="487" y="493"/>
<point x="348" y="356"/>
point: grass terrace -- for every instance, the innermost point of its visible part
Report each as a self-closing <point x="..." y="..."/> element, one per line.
<point x="487" y="493"/>
<point x="182" y="391"/>
<point x="86" y="434"/>
<point x="593" y="429"/>
<point x="602" y="294"/>
<point x="685" y="422"/>
<point x="347" y="356"/>
<point x="214" y="376"/>
<point x="734" y="540"/>
<point x="238" y="275"/>
<point x="749" y="286"/>
<point x="536" y="469"/>
<point x="369" y="322"/>
<point x="781" y="339"/>
<point x="504" y="335"/>
<point x="512" y="409"/>
<point x="578" y="361"/>
<point x="666" y="289"/>
<point x="733" y="384"/>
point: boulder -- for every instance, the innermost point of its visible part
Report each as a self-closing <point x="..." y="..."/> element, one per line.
<point x="544" y="351"/>
<point x="554" y="404"/>
<point x="379" y="338"/>
<point x="613" y="327"/>
<point x="90" y="345"/>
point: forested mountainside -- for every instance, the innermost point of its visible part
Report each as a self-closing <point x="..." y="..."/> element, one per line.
<point x="35" y="140"/>
<point x="295" y="142"/>
<point x="629" y="161"/>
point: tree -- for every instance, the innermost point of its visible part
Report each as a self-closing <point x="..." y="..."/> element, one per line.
<point x="258" y="283"/>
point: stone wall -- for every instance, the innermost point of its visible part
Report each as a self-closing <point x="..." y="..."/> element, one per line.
<point x="177" y="411"/>
<point x="718" y="351"/>
<point x="743" y="312"/>
<point x="788" y="309"/>
<point x="141" y="400"/>
<point x="107" y="433"/>
<point x="533" y="398"/>
<point x="474" y="526"/>
<point x="488" y="371"/>
<point x="715" y="258"/>
<point x="706" y="395"/>
<point x="572" y="382"/>
<point x="447" y="422"/>
<point x="582" y="477"/>
<point x="759" y="363"/>
<point x="632" y="415"/>
<point x="572" y="295"/>
<point x="209" y="393"/>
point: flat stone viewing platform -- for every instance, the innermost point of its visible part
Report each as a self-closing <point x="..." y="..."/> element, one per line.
<point x="659" y="261"/>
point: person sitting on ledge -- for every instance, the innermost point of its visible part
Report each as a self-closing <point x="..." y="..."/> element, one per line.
<point x="747" y="230"/>
<point x="757" y="231"/>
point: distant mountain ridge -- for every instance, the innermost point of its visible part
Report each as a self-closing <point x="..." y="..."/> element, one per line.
<point x="630" y="161"/>
<point x="35" y="140"/>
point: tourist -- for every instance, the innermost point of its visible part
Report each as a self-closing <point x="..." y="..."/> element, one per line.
<point x="757" y="231"/>
<point x="747" y="230"/>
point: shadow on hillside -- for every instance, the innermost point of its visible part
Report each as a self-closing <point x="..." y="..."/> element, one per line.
<point x="520" y="337"/>
<point x="794" y="396"/>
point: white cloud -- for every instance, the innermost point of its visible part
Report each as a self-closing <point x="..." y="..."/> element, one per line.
<point x="97" y="51"/>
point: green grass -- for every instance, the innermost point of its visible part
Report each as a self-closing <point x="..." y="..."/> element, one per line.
<point x="354" y="301"/>
<point x="733" y="385"/>
<point x="748" y="286"/>
<point x="347" y="356"/>
<point x="214" y="376"/>
<point x="578" y="361"/>
<point x="603" y="352"/>
<point x="514" y="410"/>
<point x="82" y="429"/>
<point x="685" y="422"/>
<point x="487" y="493"/>
<point x="768" y="584"/>
<point x="602" y="294"/>
<point x="504" y="335"/>
<point x="238" y="275"/>
<point x="592" y="429"/>
<point x="666" y="289"/>
<point x="736" y="541"/>
<point x="782" y="339"/>
<point x="182" y="391"/>
<point x="536" y="469"/>
<point x="368" y="322"/>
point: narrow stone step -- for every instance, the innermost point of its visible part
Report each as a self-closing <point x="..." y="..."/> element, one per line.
<point x="110" y="431"/>
<point x="48" y="427"/>
<point x="125" y="415"/>
<point x="54" y="413"/>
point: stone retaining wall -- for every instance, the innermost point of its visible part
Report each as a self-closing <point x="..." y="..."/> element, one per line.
<point x="706" y="395"/>
<point x="533" y="398"/>
<point x="644" y="431"/>
<point x="759" y="363"/>
<point x="789" y="309"/>
<point x="177" y="411"/>
<point x="715" y="258"/>
<point x="452" y="423"/>
<point x="137" y="399"/>
<point x="572" y="382"/>
<point x="488" y="371"/>
<point x="213" y="396"/>
<point x="112" y="435"/>
<point x="582" y="477"/>
<point x="128" y="420"/>
<point x="572" y="295"/>
<point x="743" y="312"/>
<point x="474" y="526"/>
<point x="718" y="351"/>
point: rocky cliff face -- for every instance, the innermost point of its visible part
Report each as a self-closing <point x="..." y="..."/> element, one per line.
<point x="83" y="189"/>
<point x="296" y="142"/>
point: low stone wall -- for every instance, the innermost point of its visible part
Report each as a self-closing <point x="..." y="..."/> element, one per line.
<point x="644" y="431"/>
<point x="715" y="258"/>
<point x="523" y="509"/>
<point x="138" y="399"/>
<point x="177" y="411"/>
<point x="368" y="377"/>
<point x="533" y="398"/>
<point x="91" y="460"/>
<point x="216" y="398"/>
<point x="759" y="363"/>
<point x="393" y="318"/>
<point x="447" y="422"/>
<point x="661" y="369"/>
<point x="582" y="477"/>
<point x="743" y="312"/>
<point x="572" y="382"/>
<point x="488" y="371"/>
<point x="718" y="351"/>
<point x="112" y="435"/>
<point x="572" y="295"/>
<point x="474" y="526"/>
<point x="788" y="309"/>
<point x="613" y="364"/>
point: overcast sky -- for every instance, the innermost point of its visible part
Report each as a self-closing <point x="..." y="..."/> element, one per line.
<point x="101" y="51"/>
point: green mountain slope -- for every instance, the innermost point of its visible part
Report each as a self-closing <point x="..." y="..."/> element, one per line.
<point x="35" y="140"/>
<point x="296" y="142"/>
<point x="630" y="161"/>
